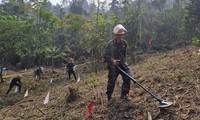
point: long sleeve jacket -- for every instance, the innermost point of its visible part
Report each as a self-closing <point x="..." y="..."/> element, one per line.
<point x="16" y="80"/>
<point x="116" y="51"/>
<point x="70" y="67"/>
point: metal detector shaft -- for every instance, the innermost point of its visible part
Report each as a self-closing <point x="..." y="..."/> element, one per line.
<point x="135" y="81"/>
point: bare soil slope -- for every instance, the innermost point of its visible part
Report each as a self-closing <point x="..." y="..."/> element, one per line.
<point x="173" y="76"/>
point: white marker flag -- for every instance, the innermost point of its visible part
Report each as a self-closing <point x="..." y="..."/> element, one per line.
<point x="46" y="99"/>
<point x="78" y="80"/>
<point x="65" y="71"/>
<point x="51" y="80"/>
<point x="149" y="116"/>
<point x="16" y="89"/>
<point x="74" y="68"/>
<point x="26" y="94"/>
<point x="5" y="73"/>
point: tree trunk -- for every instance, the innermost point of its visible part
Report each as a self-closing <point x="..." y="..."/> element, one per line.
<point x="1" y="75"/>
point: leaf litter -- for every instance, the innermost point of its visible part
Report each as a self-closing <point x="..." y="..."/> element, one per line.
<point x="174" y="76"/>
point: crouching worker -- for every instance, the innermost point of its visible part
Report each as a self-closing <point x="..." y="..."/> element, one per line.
<point x="3" y="71"/>
<point x="38" y="72"/>
<point x="71" y="68"/>
<point x="16" y="81"/>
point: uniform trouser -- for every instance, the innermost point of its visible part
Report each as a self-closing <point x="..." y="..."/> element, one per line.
<point x="69" y="74"/>
<point x="12" y="85"/>
<point x="112" y="77"/>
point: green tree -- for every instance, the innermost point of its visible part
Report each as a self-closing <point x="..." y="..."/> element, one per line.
<point x="192" y="18"/>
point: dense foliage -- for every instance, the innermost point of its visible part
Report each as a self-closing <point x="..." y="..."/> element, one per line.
<point x="82" y="29"/>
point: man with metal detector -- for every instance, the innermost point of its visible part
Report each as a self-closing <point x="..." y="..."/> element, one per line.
<point x="114" y="55"/>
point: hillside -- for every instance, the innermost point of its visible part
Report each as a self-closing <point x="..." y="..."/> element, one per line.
<point x="174" y="76"/>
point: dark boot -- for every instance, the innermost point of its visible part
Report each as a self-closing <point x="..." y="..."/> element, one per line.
<point x="109" y="101"/>
<point x="109" y="98"/>
<point x="125" y="97"/>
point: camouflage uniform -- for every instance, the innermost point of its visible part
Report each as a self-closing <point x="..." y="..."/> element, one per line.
<point x="116" y="51"/>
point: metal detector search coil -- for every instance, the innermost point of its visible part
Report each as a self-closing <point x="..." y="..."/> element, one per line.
<point x="162" y="104"/>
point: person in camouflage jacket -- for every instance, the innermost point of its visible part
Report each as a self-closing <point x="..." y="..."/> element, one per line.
<point x="115" y="55"/>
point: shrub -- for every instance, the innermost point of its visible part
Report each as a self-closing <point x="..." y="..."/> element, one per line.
<point x="195" y="41"/>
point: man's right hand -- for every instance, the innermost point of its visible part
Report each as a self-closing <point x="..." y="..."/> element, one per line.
<point x="116" y="62"/>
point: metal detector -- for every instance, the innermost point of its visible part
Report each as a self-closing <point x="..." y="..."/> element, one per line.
<point x="162" y="104"/>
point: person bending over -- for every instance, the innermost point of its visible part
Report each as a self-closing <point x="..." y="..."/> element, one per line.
<point x="16" y="81"/>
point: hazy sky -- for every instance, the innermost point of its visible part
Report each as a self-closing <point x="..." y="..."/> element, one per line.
<point x="54" y="2"/>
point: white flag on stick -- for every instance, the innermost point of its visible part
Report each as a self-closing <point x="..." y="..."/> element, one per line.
<point x="5" y="73"/>
<point x="26" y="94"/>
<point x="46" y="99"/>
<point x="74" y="68"/>
<point x="65" y="70"/>
<point x="51" y="80"/>
<point x="78" y="80"/>
<point x="16" y="89"/>
<point x="149" y="116"/>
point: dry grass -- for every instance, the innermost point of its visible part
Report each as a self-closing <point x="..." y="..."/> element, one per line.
<point x="174" y="76"/>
